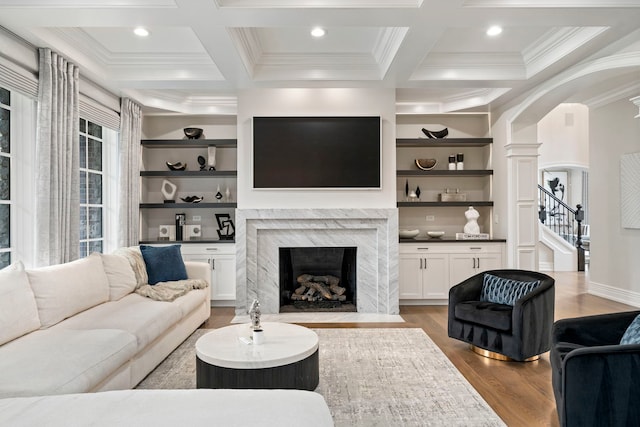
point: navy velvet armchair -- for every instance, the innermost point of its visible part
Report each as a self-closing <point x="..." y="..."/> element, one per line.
<point x="520" y="332"/>
<point x="596" y="381"/>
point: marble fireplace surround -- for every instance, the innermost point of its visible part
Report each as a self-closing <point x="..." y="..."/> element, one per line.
<point x="261" y="232"/>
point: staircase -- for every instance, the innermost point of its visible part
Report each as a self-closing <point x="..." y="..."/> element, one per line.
<point x="561" y="230"/>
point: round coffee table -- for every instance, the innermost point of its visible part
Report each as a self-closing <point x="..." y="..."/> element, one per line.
<point x="288" y="358"/>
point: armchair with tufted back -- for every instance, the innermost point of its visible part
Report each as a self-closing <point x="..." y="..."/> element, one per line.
<point x="518" y="326"/>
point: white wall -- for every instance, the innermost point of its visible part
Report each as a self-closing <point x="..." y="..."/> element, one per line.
<point x="564" y="135"/>
<point x="316" y="102"/>
<point x="614" y="268"/>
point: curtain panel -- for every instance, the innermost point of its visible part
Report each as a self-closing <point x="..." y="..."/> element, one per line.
<point x="57" y="158"/>
<point x="129" y="173"/>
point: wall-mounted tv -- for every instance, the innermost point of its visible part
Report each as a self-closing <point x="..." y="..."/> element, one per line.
<point x="317" y="152"/>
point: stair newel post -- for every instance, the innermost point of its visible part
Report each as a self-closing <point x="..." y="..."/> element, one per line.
<point x="579" y="217"/>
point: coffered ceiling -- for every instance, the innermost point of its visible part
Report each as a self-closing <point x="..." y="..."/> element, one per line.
<point x="436" y="53"/>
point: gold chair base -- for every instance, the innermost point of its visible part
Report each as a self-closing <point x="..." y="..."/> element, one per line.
<point x="498" y="356"/>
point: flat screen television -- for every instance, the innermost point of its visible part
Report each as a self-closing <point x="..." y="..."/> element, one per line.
<point x="317" y="152"/>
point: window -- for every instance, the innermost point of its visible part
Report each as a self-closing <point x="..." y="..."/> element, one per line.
<point x="5" y="178"/>
<point x="92" y="205"/>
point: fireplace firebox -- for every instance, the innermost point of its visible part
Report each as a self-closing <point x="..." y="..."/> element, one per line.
<point x="317" y="279"/>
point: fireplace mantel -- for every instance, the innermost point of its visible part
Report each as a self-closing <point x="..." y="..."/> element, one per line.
<point x="261" y="232"/>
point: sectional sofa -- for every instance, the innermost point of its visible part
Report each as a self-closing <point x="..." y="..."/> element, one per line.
<point x="80" y="327"/>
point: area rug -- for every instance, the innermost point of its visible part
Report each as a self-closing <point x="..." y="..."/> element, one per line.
<point x="370" y="377"/>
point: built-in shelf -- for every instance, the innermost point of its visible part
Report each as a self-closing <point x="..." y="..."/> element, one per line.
<point x="191" y="174"/>
<point x="179" y="205"/>
<point x="443" y="142"/>
<point x="470" y="172"/>
<point x="188" y="143"/>
<point x="443" y="204"/>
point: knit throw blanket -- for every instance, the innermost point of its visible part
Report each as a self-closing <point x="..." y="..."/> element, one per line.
<point x="161" y="291"/>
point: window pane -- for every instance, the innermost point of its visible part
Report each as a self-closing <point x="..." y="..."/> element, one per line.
<point x="95" y="247"/>
<point x="5" y="259"/>
<point x="83" y="152"/>
<point x="95" y="223"/>
<point x="83" y="126"/>
<point x="5" y="226"/>
<point x="83" y="223"/>
<point x="83" y="187"/>
<point x="5" y="178"/>
<point x="95" y="189"/>
<point x="5" y="128"/>
<point x="5" y="97"/>
<point x="83" y="249"/>
<point x="95" y="130"/>
<point x="95" y="155"/>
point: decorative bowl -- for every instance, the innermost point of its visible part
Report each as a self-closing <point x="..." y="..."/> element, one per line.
<point x="435" y="234"/>
<point x="193" y="133"/>
<point x="436" y="133"/>
<point x="409" y="234"/>
<point x="178" y="166"/>
<point x="426" y="164"/>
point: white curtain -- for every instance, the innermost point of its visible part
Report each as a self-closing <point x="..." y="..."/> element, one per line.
<point x="57" y="154"/>
<point x="129" y="162"/>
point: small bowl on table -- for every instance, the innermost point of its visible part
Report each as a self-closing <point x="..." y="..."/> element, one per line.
<point x="409" y="234"/>
<point x="435" y="234"/>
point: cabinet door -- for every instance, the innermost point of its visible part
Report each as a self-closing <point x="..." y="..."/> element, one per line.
<point x="223" y="279"/>
<point x="201" y="258"/>
<point x="462" y="266"/>
<point x="435" y="276"/>
<point x="410" y="276"/>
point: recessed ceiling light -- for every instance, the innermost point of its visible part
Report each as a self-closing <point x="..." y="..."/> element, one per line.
<point x="494" y="30"/>
<point x="318" y="32"/>
<point x="141" y="32"/>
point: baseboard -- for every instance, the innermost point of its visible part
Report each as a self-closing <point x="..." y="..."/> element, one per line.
<point x="615" y="294"/>
<point x="223" y="303"/>
<point x="545" y="266"/>
<point x="423" y="302"/>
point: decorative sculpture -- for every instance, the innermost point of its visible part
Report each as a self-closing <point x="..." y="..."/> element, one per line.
<point x="472" y="227"/>
<point x="202" y="162"/>
<point x="211" y="154"/>
<point x="168" y="190"/>
<point x="178" y="166"/>
<point x="254" y="314"/>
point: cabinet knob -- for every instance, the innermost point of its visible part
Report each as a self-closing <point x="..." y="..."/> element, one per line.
<point x="211" y="249"/>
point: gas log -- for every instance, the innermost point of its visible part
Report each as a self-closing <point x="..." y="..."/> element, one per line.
<point x="317" y="288"/>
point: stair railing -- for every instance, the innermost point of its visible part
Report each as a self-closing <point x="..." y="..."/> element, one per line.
<point x="563" y="220"/>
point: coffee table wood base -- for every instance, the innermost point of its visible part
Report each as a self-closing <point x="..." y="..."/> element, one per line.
<point x="301" y="375"/>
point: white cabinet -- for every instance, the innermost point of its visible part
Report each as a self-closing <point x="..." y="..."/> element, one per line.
<point x="422" y="274"/>
<point x="222" y="261"/>
<point x="428" y="271"/>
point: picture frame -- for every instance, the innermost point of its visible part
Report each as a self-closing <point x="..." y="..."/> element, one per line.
<point x="226" y="229"/>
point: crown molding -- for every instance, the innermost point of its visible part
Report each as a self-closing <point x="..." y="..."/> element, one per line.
<point x="248" y="46"/>
<point x="613" y="95"/>
<point x="471" y="66"/>
<point x="550" y="3"/>
<point x="636" y="101"/>
<point x="555" y="44"/>
<point x="386" y="47"/>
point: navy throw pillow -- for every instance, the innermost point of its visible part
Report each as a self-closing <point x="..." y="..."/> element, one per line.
<point x="500" y="290"/>
<point x="164" y="263"/>
<point x="632" y="334"/>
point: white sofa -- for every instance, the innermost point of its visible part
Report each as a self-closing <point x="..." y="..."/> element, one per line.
<point x="79" y="327"/>
<point x="229" y="408"/>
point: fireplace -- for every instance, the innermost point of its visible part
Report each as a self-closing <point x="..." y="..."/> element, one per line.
<point x="260" y="233"/>
<point x="317" y="279"/>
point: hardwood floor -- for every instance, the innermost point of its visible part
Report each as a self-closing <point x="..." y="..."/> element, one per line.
<point x="520" y="393"/>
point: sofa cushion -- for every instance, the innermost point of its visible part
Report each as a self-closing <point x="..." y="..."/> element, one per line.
<point x="18" y="309"/>
<point x="122" y="279"/>
<point x="632" y="334"/>
<point x="136" y="262"/>
<point x="164" y="263"/>
<point x="66" y="289"/>
<point x="492" y="315"/>
<point x="201" y="407"/>
<point x="505" y="291"/>
<point x="142" y="317"/>
<point x="57" y="361"/>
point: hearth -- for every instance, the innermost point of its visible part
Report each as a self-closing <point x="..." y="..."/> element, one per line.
<point x="317" y="279"/>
